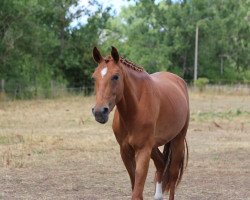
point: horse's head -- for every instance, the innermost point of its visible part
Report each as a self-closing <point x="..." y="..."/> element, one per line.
<point x="108" y="78"/>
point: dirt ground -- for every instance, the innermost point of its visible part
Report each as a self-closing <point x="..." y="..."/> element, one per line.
<point x="53" y="149"/>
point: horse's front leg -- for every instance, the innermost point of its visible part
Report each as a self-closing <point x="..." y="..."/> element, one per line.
<point x="142" y="158"/>
<point x="128" y="158"/>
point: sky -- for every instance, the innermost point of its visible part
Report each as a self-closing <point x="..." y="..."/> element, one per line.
<point x="116" y="5"/>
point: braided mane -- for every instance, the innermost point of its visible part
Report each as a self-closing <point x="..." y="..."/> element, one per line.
<point x="131" y="65"/>
<point x="127" y="63"/>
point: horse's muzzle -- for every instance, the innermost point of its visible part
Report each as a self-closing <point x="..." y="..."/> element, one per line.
<point x="101" y="114"/>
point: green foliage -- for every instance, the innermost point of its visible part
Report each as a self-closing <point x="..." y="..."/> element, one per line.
<point x="29" y="46"/>
<point x="201" y="83"/>
<point x="38" y="45"/>
<point x="229" y="115"/>
<point x="161" y="36"/>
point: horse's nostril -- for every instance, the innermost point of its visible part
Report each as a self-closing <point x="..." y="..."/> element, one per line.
<point x="105" y="110"/>
<point x="93" y="110"/>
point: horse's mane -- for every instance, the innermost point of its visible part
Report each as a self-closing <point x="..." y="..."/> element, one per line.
<point x="131" y="65"/>
<point x="127" y="63"/>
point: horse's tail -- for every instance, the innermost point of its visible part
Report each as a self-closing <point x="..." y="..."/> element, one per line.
<point x="181" y="164"/>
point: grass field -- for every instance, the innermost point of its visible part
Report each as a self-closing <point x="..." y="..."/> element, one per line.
<point x="53" y="149"/>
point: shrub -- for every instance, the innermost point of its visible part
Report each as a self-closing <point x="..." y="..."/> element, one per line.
<point x="201" y="83"/>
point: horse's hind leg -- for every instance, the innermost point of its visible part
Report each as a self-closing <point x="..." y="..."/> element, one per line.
<point x="177" y="162"/>
<point x="158" y="159"/>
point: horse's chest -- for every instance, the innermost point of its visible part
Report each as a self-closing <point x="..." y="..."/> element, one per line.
<point x="133" y="133"/>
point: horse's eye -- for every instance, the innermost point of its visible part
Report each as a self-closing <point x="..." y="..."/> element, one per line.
<point x="115" y="78"/>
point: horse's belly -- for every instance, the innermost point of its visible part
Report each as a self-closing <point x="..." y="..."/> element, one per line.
<point x="171" y="120"/>
<point x="174" y="108"/>
<point x="165" y="132"/>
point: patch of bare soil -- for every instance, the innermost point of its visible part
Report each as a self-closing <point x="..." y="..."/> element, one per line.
<point x="52" y="149"/>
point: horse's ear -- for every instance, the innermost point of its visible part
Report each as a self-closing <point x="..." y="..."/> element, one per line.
<point x="96" y="55"/>
<point x="115" y="54"/>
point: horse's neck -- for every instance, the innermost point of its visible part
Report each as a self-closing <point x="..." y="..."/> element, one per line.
<point x="133" y="87"/>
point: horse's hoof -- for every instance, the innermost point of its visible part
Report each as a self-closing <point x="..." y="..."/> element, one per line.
<point x="158" y="197"/>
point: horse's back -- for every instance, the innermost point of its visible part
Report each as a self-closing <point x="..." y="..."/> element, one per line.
<point x="167" y="80"/>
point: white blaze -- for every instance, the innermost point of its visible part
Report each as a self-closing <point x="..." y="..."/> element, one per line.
<point x="104" y="71"/>
<point x="158" y="192"/>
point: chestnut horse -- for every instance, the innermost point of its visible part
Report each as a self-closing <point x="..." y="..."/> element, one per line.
<point x="152" y="110"/>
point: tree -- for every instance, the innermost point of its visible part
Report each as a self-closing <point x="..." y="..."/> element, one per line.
<point x="161" y="36"/>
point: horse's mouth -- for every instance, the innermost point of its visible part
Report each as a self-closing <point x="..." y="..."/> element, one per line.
<point x="102" y="118"/>
<point x="101" y="113"/>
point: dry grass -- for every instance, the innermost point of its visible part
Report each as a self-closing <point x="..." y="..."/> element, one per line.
<point x="53" y="149"/>
<point x="30" y="128"/>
